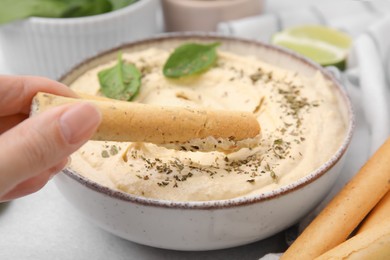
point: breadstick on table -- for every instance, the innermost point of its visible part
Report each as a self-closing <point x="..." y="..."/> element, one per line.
<point x="135" y="122"/>
<point x="372" y="240"/>
<point x="346" y="210"/>
<point x="379" y="214"/>
<point x="373" y="243"/>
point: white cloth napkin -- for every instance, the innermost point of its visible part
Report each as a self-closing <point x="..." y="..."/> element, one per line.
<point x="367" y="78"/>
<point x="374" y="79"/>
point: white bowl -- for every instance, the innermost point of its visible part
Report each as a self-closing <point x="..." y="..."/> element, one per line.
<point x="210" y="224"/>
<point x="50" y="46"/>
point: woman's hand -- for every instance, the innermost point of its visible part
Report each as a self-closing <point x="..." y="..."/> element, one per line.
<point x="33" y="149"/>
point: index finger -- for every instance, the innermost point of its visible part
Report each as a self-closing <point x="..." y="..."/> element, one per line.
<point x="16" y="92"/>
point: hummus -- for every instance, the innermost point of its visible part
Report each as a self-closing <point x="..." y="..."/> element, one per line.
<point x="301" y="127"/>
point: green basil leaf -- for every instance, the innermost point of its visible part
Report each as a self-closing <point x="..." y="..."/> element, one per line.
<point x="118" y="4"/>
<point x="189" y="59"/>
<point x="121" y="81"/>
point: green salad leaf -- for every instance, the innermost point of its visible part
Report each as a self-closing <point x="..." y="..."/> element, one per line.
<point x="190" y="59"/>
<point x="13" y="10"/>
<point x="121" y="81"/>
<point x="118" y="4"/>
<point x="77" y="8"/>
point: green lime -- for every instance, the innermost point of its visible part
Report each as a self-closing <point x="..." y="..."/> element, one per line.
<point x="324" y="45"/>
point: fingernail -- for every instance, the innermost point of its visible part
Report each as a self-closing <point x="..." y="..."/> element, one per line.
<point x="79" y="122"/>
<point x="69" y="162"/>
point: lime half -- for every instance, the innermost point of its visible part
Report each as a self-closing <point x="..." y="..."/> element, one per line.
<point x="324" y="45"/>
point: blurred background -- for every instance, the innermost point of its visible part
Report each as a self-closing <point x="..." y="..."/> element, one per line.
<point x="51" y="46"/>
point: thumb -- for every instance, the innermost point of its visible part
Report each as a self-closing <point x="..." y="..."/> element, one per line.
<point x="43" y="141"/>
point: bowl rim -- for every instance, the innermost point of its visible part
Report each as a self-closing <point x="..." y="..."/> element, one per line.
<point x="233" y="202"/>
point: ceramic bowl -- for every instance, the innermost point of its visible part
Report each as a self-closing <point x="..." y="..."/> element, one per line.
<point x="200" y="15"/>
<point x="210" y="224"/>
<point x="51" y="46"/>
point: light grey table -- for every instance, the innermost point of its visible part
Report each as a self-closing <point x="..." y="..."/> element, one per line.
<point x="45" y="226"/>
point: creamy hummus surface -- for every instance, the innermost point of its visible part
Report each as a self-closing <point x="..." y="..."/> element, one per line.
<point x="302" y="125"/>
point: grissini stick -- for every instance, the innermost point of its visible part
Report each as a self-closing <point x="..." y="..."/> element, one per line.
<point x="346" y="210"/>
<point x="379" y="214"/>
<point x="135" y="122"/>
<point x="373" y="243"/>
<point x="372" y="240"/>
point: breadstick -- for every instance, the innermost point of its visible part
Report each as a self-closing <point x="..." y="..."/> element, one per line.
<point x="370" y="244"/>
<point x="135" y="122"/>
<point x="379" y="214"/>
<point x="346" y="210"/>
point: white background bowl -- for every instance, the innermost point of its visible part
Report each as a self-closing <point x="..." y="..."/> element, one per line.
<point x="50" y="46"/>
<point x="211" y="224"/>
<point x="200" y="15"/>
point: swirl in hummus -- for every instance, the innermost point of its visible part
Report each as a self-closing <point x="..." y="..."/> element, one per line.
<point x="300" y="117"/>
